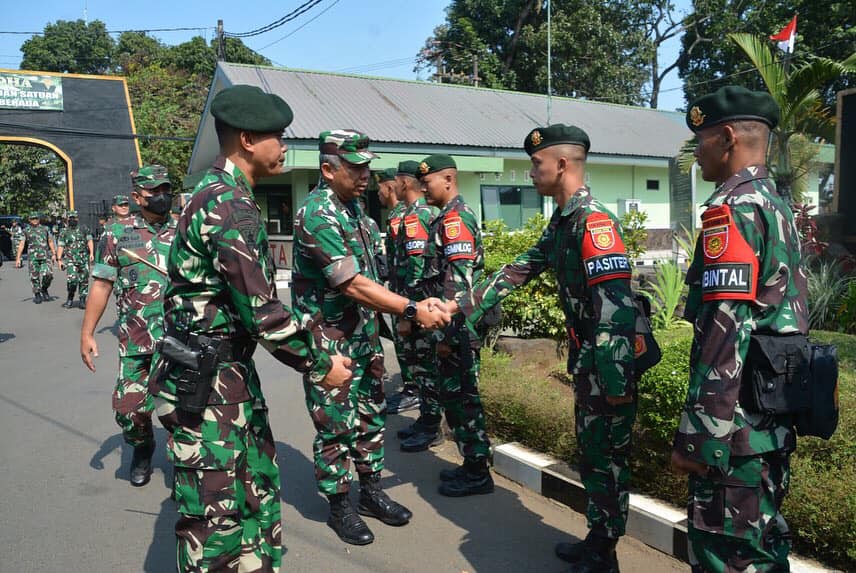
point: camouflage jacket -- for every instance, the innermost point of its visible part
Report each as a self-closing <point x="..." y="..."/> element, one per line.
<point x="583" y="245"/>
<point x="374" y="234"/>
<point x="74" y="242"/>
<point x="17" y="235"/>
<point x="222" y="284"/>
<point x="138" y="288"/>
<point x="331" y="246"/>
<point x="412" y="245"/>
<point x="394" y="222"/>
<point x="37" y="239"/>
<point x="454" y="259"/>
<point x="746" y="276"/>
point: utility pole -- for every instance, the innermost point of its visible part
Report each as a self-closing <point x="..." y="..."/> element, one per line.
<point x="549" y="66"/>
<point x="476" y="70"/>
<point x="221" y="43"/>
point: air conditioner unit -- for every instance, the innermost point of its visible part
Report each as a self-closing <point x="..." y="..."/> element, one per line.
<point x="628" y="205"/>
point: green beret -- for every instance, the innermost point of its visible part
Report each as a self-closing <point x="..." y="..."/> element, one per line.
<point x="434" y="163"/>
<point x="150" y="176"/>
<point x="350" y="145"/>
<point x="33" y="215"/>
<point x="249" y="108"/>
<point x="72" y="213"/>
<point x="556" y="134"/>
<point x="730" y="103"/>
<point x="386" y="175"/>
<point x="409" y="168"/>
<point x="120" y="200"/>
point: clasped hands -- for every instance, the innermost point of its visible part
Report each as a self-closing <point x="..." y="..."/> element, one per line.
<point x="431" y="313"/>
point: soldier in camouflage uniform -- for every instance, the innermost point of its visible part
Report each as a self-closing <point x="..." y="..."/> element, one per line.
<point x="335" y="281"/>
<point x="75" y="254"/>
<point x="746" y="278"/>
<point x="454" y="261"/>
<point x="412" y="244"/>
<point x="222" y="295"/>
<point x="37" y="240"/>
<point x="121" y="209"/>
<point x="131" y="258"/>
<point x="583" y="245"/>
<point x="17" y="234"/>
<point x="388" y="196"/>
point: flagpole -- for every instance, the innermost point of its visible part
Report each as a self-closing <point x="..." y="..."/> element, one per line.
<point x="549" y="66"/>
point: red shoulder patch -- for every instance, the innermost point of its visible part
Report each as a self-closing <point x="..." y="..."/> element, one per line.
<point x="458" y="240"/>
<point x="395" y="226"/>
<point x="730" y="264"/>
<point x="416" y="235"/>
<point x="603" y="252"/>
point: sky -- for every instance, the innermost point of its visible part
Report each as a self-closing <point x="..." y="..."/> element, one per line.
<point x="371" y="37"/>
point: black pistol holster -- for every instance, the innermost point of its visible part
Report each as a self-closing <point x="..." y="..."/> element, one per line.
<point x="776" y="375"/>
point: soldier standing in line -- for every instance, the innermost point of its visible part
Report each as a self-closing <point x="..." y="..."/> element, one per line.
<point x="37" y="240"/>
<point x="335" y="281"/>
<point x="17" y="235"/>
<point x="387" y="194"/>
<point x="220" y="302"/>
<point x="454" y="261"/>
<point x="75" y="253"/>
<point x="583" y="245"/>
<point x="131" y="257"/>
<point x="412" y="244"/>
<point x="121" y="209"/>
<point x="737" y="460"/>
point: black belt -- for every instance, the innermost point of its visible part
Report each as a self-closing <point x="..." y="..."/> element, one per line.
<point x="228" y="349"/>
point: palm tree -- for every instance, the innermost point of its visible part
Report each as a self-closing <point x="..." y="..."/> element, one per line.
<point x="805" y="122"/>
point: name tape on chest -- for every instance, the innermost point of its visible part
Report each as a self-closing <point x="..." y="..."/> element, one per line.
<point x="416" y="235"/>
<point x="603" y="253"/>
<point x="458" y="241"/>
<point x="730" y="265"/>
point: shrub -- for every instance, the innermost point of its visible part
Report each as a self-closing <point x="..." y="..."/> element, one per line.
<point x="663" y="390"/>
<point x="635" y="233"/>
<point x="846" y="317"/>
<point x="666" y="293"/>
<point x="532" y="311"/>
<point x="827" y="285"/>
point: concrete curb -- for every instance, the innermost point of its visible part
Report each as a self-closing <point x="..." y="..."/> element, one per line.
<point x="650" y="521"/>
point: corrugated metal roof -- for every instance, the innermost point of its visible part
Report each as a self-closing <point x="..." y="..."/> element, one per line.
<point x="401" y="111"/>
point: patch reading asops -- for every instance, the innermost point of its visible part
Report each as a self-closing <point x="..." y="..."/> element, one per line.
<point x="601" y="267"/>
<point x="727" y="278"/>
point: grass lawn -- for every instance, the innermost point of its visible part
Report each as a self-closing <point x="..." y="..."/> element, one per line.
<point x="528" y="399"/>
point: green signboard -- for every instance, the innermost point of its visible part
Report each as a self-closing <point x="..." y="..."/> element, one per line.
<point x="30" y="92"/>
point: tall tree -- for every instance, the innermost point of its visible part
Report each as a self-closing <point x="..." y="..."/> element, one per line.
<point x="599" y="48"/>
<point x="197" y="57"/>
<point x="70" y="47"/>
<point x="135" y="50"/>
<point x="708" y="61"/>
<point x="32" y="178"/>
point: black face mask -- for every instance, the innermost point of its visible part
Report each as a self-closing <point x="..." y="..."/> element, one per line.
<point x="72" y="223"/>
<point x="159" y="204"/>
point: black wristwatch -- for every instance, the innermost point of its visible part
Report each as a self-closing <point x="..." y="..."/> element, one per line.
<point x="409" y="310"/>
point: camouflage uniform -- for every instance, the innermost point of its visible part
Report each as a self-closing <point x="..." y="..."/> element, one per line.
<point x="139" y="298"/>
<point x="17" y="238"/>
<point x="38" y="240"/>
<point x="394" y="222"/>
<point x="222" y="285"/>
<point x="413" y="246"/>
<point x="750" y="238"/>
<point x="75" y="253"/>
<point x="582" y="244"/>
<point x="330" y="247"/>
<point x="454" y="261"/>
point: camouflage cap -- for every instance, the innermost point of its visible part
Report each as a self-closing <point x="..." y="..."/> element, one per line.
<point x="409" y="168"/>
<point x="150" y="176"/>
<point x="250" y="108"/>
<point x="33" y="215"/>
<point x="556" y="134"/>
<point x="730" y="103"/>
<point x="120" y="200"/>
<point x="386" y="175"/>
<point x="71" y="214"/>
<point x="434" y="163"/>
<point x="350" y="145"/>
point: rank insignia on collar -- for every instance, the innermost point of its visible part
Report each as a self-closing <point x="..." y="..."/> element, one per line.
<point x="423" y="168"/>
<point x="536" y="138"/>
<point x="696" y="116"/>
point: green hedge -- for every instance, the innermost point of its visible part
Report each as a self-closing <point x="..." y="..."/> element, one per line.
<point x="522" y="404"/>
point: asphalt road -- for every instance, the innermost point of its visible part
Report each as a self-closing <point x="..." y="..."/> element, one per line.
<point x="66" y="504"/>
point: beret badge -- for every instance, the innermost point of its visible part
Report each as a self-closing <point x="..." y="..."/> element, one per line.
<point x="696" y="116"/>
<point x="536" y="138"/>
<point x="423" y="168"/>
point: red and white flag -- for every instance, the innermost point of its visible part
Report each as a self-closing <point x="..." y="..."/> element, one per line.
<point x="787" y="36"/>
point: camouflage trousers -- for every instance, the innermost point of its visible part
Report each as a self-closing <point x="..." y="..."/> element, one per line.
<point x="735" y="522"/>
<point x="226" y="487"/>
<point x="401" y="354"/>
<point x="41" y="275"/>
<point x="603" y="442"/>
<point x="132" y="403"/>
<point x="458" y="392"/>
<point x="77" y="276"/>
<point x="423" y="361"/>
<point x="350" y="423"/>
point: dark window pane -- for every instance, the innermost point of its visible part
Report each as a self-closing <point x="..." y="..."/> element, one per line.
<point x="653" y="184"/>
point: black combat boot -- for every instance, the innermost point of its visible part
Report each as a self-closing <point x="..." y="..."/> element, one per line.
<point x="452" y="474"/>
<point x="407" y="399"/>
<point x="70" y="302"/>
<point x="375" y="503"/>
<point x="423" y="437"/>
<point x="37" y="298"/>
<point x="595" y="554"/>
<point x="45" y="296"/>
<point x="349" y="526"/>
<point x="81" y="303"/>
<point x="141" y="464"/>
<point x="476" y="480"/>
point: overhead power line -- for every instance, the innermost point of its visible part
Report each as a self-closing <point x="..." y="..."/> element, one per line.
<point x="294" y="14"/>
<point x="92" y="133"/>
<point x="146" y="30"/>
<point x="312" y="19"/>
